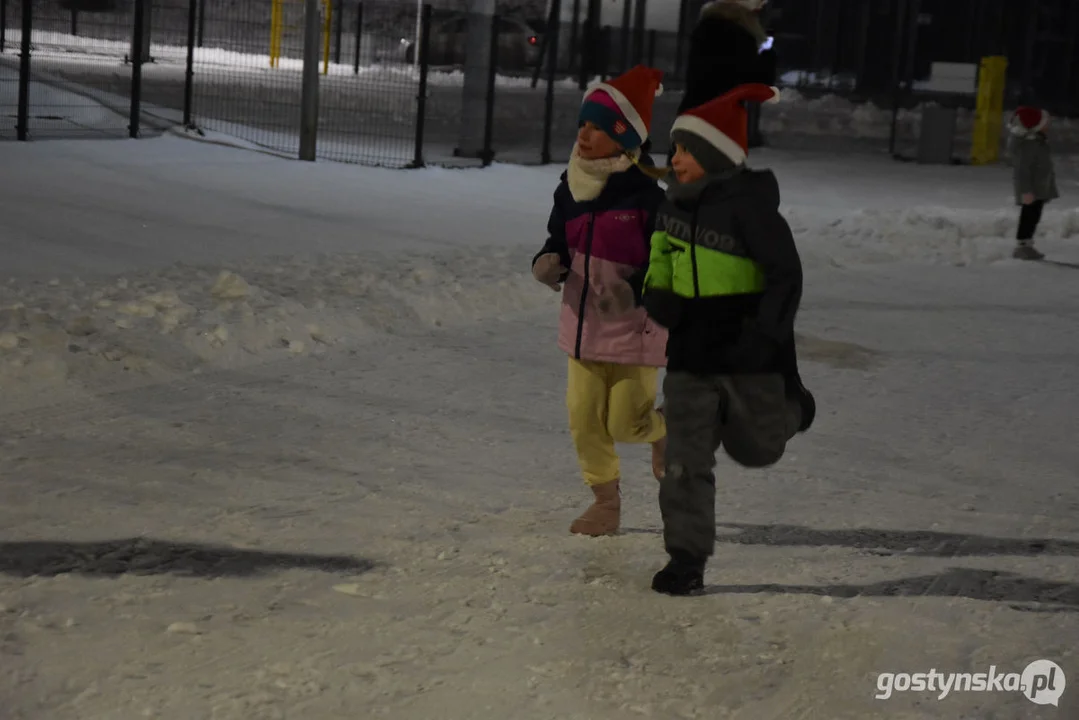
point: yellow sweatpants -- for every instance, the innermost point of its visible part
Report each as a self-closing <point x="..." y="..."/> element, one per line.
<point x="610" y="404"/>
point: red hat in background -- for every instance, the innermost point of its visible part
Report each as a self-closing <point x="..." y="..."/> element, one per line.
<point x="1029" y="120"/>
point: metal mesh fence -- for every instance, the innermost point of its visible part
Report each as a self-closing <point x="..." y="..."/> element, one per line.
<point x="370" y="82"/>
<point x="246" y="78"/>
<point x="235" y="67"/>
<point x="79" y="74"/>
<point x="10" y="17"/>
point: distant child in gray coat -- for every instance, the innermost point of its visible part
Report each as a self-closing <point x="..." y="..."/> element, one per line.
<point x="1035" y="179"/>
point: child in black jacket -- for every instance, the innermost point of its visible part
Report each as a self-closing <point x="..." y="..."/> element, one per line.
<point x="725" y="278"/>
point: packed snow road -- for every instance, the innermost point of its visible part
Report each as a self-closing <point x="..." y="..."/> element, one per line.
<point x="335" y="481"/>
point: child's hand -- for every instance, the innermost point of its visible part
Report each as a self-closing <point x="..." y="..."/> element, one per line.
<point x="1028" y="198"/>
<point x="616" y="300"/>
<point x="548" y="269"/>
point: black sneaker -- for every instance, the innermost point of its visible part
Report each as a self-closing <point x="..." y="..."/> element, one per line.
<point x="1027" y="252"/>
<point x="681" y="576"/>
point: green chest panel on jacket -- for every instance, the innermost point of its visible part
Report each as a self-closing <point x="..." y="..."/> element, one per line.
<point x="722" y="263"/>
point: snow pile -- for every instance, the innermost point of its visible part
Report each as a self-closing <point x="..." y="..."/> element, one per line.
<point x="920" y="235"/>
<point x="182" y="318"/>
<point x="836" y="115"/>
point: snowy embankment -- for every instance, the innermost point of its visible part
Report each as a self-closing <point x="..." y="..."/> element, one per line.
<point x="181" y="319"/>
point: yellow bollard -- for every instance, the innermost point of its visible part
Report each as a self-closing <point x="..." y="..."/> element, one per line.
<point x="328" y="14"/>
<point x="275" y="33"/>
<point x="988" y="114"/>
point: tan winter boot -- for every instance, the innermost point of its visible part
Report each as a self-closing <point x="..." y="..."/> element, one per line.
<point x="604" y="515"/>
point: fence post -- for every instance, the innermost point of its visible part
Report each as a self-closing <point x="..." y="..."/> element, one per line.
<point x="651" y="48"/>
<point x="22" y="117"/>
<point x="574" y="40"/>
<point x="202" y="21"/>
<point x="74" y="23"/>
<point x="312" y="38"/>
<point x="627" y="27"/>
<point x="3" y="23"/>
<point x="552" y="67"/>
<point x="421" y="99"/>
<point x="189" y="72"/>
<point x="359" y="36"/>
<point x="492" y="74"/>
<point x="639" y="19"/>
<point x="680" y="39"/>
<point x="137" y="39"/>
<point x="338" y="28"/>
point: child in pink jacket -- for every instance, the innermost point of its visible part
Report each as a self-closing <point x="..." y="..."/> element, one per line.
<point x="599" y="233"/>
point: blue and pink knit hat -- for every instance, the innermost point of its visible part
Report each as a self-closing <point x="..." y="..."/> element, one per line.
<point x="622" y="106"/>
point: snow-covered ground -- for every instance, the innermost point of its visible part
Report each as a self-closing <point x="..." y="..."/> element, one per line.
<point x="55" y="110"/>
<point x="287" y="440"/>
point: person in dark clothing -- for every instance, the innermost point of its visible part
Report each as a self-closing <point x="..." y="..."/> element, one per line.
<point x="725" y="52"/>
<point x="1033" y="176"/>
<point x="724" y="277"/>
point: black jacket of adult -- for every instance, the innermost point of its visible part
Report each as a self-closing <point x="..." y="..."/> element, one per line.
<point x="724" y="52"/>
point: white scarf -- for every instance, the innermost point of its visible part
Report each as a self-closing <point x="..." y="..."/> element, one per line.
<point x="587" y="178"/>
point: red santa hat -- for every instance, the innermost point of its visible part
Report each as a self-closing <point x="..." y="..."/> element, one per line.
<point x="633" y="94"/>
<point x="1029" y="120"/>
<point x="723" y="122"/>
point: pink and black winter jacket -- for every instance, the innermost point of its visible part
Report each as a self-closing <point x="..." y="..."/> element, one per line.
<point x="601" y="240"/>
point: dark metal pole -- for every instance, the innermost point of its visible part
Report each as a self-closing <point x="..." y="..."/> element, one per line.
<point x="421" y="99"/>
<point x="489" y="119"/>
<point x="639" y="19"/>
<point x="863" y="46"/>
<point x="137" y="39"/>
<point x="544" y="48"/>
<point x="312" y="52"/>
<point x="1026" y="92"/>
<point x="339" y="27"/>
<point x="651" y="48"/>
<point x="627" y="20"/>
<point x="897" y="50"/>
<point x="1070" y="58"/>
<point x="574" y="29"/>
<point x="589" y="49"/>
<point x="202" y="21"/>
<point x="680" y="40"/>
<point x="3" y="23"/>
<point x="605" y="56"/>
<point x="552" y="67"/>
<point x="74" y="22"/>
<point x="22" y="117"/>
<point x="189" y="72"/>
<point x="359" y="35"/>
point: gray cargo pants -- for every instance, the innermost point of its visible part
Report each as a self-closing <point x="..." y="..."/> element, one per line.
<point x="748" y="415"/>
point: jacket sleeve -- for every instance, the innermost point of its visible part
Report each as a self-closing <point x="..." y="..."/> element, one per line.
<point x="1025" y="168"/>
<point x="770" y="243"/>
<point x="652" y="225"/>
<point x="556" y="235"/>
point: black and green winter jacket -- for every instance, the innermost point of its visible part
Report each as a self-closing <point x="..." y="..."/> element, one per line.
<point x="724" y="276"/>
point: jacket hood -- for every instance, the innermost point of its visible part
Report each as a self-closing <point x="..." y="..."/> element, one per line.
<point x="758" y="184"/>
<point x="737" y="15"/>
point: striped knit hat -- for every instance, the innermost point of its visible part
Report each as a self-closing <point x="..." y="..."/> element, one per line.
<point x="622" y="106"/>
